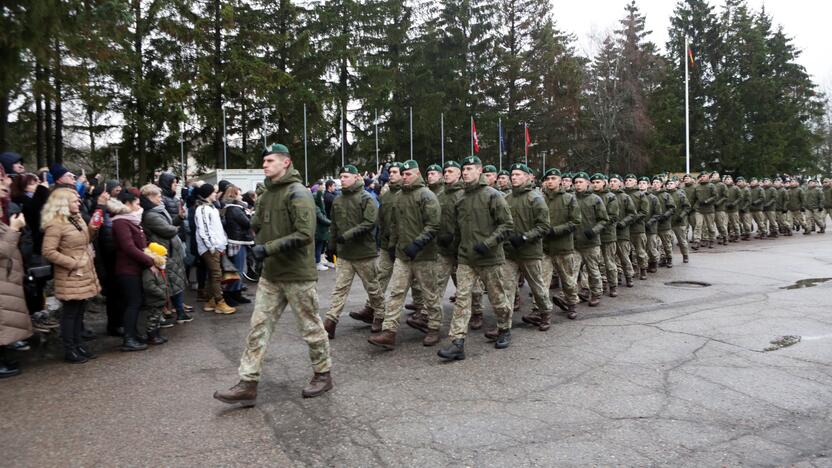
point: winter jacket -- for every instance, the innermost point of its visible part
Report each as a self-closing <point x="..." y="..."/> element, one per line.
<point x="594" y="220"/>
<point x="651" y="226"/>
<point x="813" y="199"/>
<point x="704" y="198"/>
<point x="437" y="188"/>
<point x="667" y="208"/>
<point x="323" y="223"/>
<point x="797" y="199"/>
<point x="745" y="200"/>
<point x="827" y="198"/>
<point x="237" y="223"/>
<point x="642" y="205"/>
<point x="169" y="201"/>
<point x="770" y="203"/>
<point x="415" y="221"/>
<point x="609" y="234"/>
<point x="531" y="221"/>
<point x="721" y="196"/>
<point x="683" y="208"/>
<point x="31" y="208"/>
<point x="564" y="218"/>
<point x="758" y="199"/>
<point x="284" y="223"/>
<point x="159" y="228"/>
<point x="210" y="235"/>
<point x="448" y="198"/>
<point x="783" y="198"/>
<point x="15" y="324"/>
<point x="354" y="216"/>
<point x="130" y="245"/>
<point x="627" y="214"/>
<point x="483" y="217"/>
<point x="733" y="198"/>
<point x="385" y="214"/>
<point x="67" y="246"/>
<point x="155" y="288"/>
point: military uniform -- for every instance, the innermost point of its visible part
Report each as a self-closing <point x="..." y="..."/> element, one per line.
<point x="771" y="210"/>
<point x="827" y="200"/>
<point x="720" y="212"/>
<point x="704" y="197"/>
<point x="679" y="221"/>
<point x="746" y="220"/>
<point x="354" y="216"/>
<point x="385" y="221"/>
<point x="594" y="220"/>
<point x="609" y="237"/>
<point x="638" y="233"/>
<point x="652" y="231"/>
<point x="624" y="248"/>
<point x="813" y="204"/>
<point x="664" y="226"/>
<point x="797" y="199"/>
<point x="757" y="206"/>
<point x="733" y="199"/>
<point x="565" y="218"/>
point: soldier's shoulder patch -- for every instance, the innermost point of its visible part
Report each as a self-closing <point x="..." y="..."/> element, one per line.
<point x="298" y="191"/>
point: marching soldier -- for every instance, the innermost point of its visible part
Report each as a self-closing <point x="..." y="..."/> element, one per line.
<point x="483" y="223"/>
<point x="679" y="221"/>
<point x="566" y="183"/>
<point x="813" y="204"/>
<point x="435" y="180"/>
<point x="784" y="217"/>
<point x="587" y="240"/>
<point x="757" y="207"/>
<point x="689" y="186"/>
<point x="704" y="196"/>
<point x="667" y="210"/>
<point x="412" y="245"/>
<point x="721" y="216"/>
<point x="797" y="200"/>
<point x="609" y="239"/>
<point x="746" y="220"/>
<point x="504" y="182"/>
<point x="733" y="199"/>
<point x="651" y="226"/>
<point x="638" y="232"/>
<point x="524" y="251"/>
<point x="827" y="196"/>
<point x="284" y="223"/>
<point x="354" y="216"/>
<point x="771" y="209"/>
<point x="490" y="173"/>
<point x="627" y="213"/>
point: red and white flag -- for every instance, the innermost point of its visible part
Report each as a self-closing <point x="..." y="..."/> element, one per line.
<point x="528" y="139"/>
<point x="474" y="137"/>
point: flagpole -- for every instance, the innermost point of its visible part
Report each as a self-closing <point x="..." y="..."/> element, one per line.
<point x="343" y="139"/>
<point x="375" y="123"/>
<point x="442" y="135"/>
<point x="687" y="107"/>
<point x="305" y="152"/>
<point x="500" y="130"/>
<point x="525" y="140"/>
<point x="471" y="131"/>
<point x="411" y="133"/>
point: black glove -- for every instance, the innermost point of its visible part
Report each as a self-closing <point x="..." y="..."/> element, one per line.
<point x="589" y="233"/>
<point x="517" y="240"/>
<point x="445" y="239"/>
<point x="785" y="211"/>
<point x="802" y="210"/>
<point x="340" y="239"/>
<point x="413" y="249"/>
<point x="259" y="252"/>
<point x="481" y="248"/>
<point x="572" y="228"/>
<point x="730" y="205"/>
<point x="392" y="253"/>
<point x="620" y="225"/>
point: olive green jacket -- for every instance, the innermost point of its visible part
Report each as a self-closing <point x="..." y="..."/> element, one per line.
<point x="448" y="198"/>
<point x="531" y="220"/>
<point x="385" y="213"/>
<point x="415" y="220"/>
<point x="627" y="214"/>
<point x="593" y="218"/>
<point x="483" y="216"/>
<point x="354" y="215"/>
<point x="771" y="199"/>
<point x="758" y="198"/>
<point x="813" y="199"/>
<point x="721" y="196"/>
<point x="609" y="234"/>
<point x="797" y="198"/>
<point x="704" y="197"/>
<point x="284" y="222"/>
<point x="744" y="204"/>
<point x="683" y="208"/>
<point x="564" y="218"/>
<point x="642" y="205"/>
<point x="667" y="209"/>
<point x="650" y="226"/>
<point x="827" y="197"/>
<point x="437" y="188"/>
<point x="733" y="197"/>
<point x="783" y="198"/>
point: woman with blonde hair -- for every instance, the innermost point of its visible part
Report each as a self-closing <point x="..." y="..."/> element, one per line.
<point x="67" y="244"/>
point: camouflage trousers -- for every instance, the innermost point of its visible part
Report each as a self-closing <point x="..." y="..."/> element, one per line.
<point x="704" y="222"/>
<point x="691" y="225"/>
<point x="734" y="227"/>
<point x="269" y="304"/>
<point x="385" y="270"/>
<point x="773" y="223"/>
<point x="592" y="263"/>
<point x="760" y="221"/>
<point x="345" y="271"/>
<point x="653" y="247"/>
<point x="681" y="233"/>
<point x="446" y="271"/>
<point x="153" y="317"/>
<point x="568" y="266"/>
<point x="796" y="219"/>
<point x="746" y="223"/>
<point x="609" y="274"/>
<point x="623" y="250"/>
<point x="492" y="278"/>
<point x="532" y="271"/>
<point x="666" y="242"/>
<point x="404" y="272"/>
<point x="816" y="219"/>
<point x="639" y="242"/>
<point x="547" y="269"/>
<point x="721" y="219"/>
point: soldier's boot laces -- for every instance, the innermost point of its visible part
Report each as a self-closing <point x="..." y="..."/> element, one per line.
<point x="244" y="393"/>
<point x="454" y="351"/>
<point x="320" y="383"/>
<point x="503" y="340"/>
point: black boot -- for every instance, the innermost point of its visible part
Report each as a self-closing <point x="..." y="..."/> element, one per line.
<point x="503" y="340"/>
<point x="83" y="351"/>
<point x="155" y="338"/>
<point x="72" y="356"/>
<point x="229" y="299"/>
<point x="453" y="352"/>
<point x="239" y="298"/>
<point x="132" y="344"/>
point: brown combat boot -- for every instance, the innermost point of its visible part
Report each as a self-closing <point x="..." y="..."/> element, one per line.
<point x="364" y="315"/>
<point x="669" y="263"/>
<point x="376" y="326"/>
<point x="642" y="273"/>
<point x="432" y="338"/>
<point x="492" y="335"/>
<point x="628" y="282"/>
<point x="571" y="314"/>
<point x="244" y="393"/>
<point x="561" y="303"/>
<point x="319" y="384"/>
<point x="223" y="308"/>
<point x="651" y="267"/>
<point x="386" y="339"/>
<point x="545" y="321"/>
<point x="694" y="245"/>
<point x="594" y="301"/>
<point x="685" y="259"/>
<point x="613" y="291"/>
<point x="329" y="326"/>
<point x="413" y="307"/>
<point x="418" y="322"/>
<point x="476" y="322"/>
<point x="532" y="318"/>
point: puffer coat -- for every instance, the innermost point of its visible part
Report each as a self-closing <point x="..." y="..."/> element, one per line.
<point x="67" y="246"/>
<point x="15" y="324"/>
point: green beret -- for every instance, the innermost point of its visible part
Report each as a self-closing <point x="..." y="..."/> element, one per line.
<point x="644" y="179"/>
<point x="739" y="178"/>
<point x="552" y="172"/>
<point x="674" y="179"/>
<point x="702" y="174"/>
<point x="410" y="164"/>
<point x="396" y="165"/>
<point x="567" y="175"/>
<point x="435" y="167"/>
<point x="489" y="168"/>
<point x="615" y="176"/>
<point x="598" y="176"/>
<point x="349" y="169"/>
<point x="655" y="178"/>
<point x="452" y="164"/>
<point x="630" y="176"/>
<point x="753" y="179"/>
<point x="471" y="161"/>
<point x="276" y="148"/>
<point x="580" y="175"/>
<point x="503" y="172"/>
<point x="714" y="173"/>
<point x="520" y="167"/>
<point x="766" y="179"/>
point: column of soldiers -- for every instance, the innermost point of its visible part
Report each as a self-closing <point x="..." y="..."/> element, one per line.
<point x="491" y="232"/>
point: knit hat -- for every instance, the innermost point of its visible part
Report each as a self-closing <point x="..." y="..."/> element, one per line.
<point x="57" y="171"/>
<point x="223" y="185"/>
<point x="8" y="159"/>
<point x="204" y="191"/>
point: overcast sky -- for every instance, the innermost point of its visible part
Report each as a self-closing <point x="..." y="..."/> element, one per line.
<point x="806" y="21"/>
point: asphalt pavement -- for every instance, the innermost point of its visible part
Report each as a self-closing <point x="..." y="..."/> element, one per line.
<point x="734" y="371"/>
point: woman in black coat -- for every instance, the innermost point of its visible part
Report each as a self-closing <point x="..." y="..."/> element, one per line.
<point x="240" y="238"/>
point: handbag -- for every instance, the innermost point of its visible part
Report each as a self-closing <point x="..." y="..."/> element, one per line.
<point x="39" y="269"/>
<point x="229" y="271"/>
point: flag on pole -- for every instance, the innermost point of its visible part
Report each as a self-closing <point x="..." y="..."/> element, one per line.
<point x="691" y="58"/>
<point x="528" y="139"/>
<point x="474" y="137"/>
<point x="502" y="138"/>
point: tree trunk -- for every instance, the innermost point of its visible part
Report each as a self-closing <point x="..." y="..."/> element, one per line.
<point x="59" y="115"/>
<point x="137" y="91"/>
<point x="219" y="144"/>
<point x="41" y="154"/>
<point x="244" y="124"/>
<point x="50" y="143"/>
<point x="4" y="119"/>
<point x="90" y="125"/>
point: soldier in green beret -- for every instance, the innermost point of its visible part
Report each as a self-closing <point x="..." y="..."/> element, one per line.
<point x="435" y="180"/>
<point x="664" y="226"/>
<point x="566" y="183"/>
<point x="781" y="206"/>
<point x="720" y="214"/>
<point x="813" y="204"/>
<point x="757" y="205"/>
<point x="609" y="239"/>
<point x="354" y="218"/>
<point x="733" y="199"/>
<point x="594" y="220"/>
<point x="638" y="230"/>
<point x="679" y="222"/>
<point x="628" y="215"/>
<point x="490" y="173"/>
<point x="797" y="200"/>
<point x="827" y="197"/>
<point x="704" y="197"/>
<point x="746" y="220"/>
<point x="651" y="226"/>
<point x="689" y="186"/>
<point x="504" y="182"/>
<point x="773" y="212"/>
